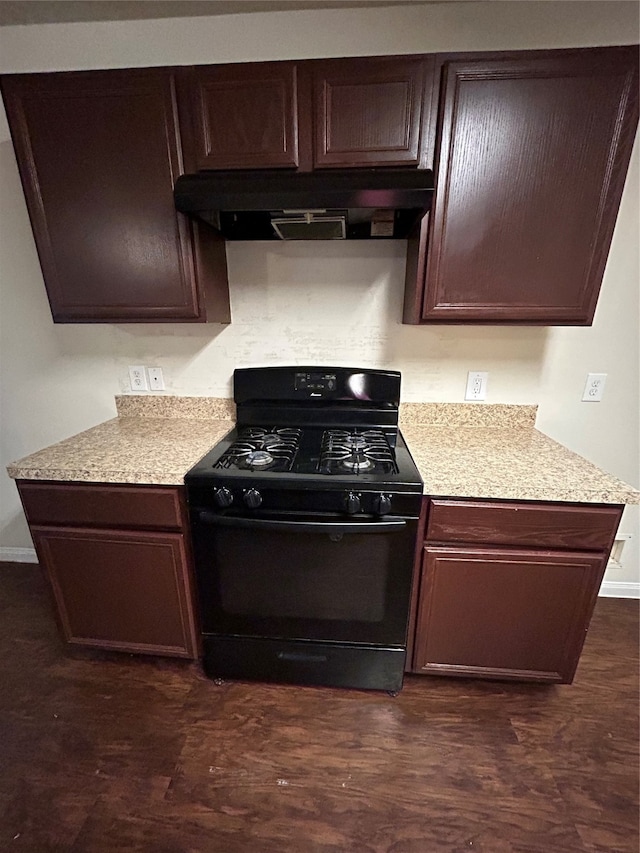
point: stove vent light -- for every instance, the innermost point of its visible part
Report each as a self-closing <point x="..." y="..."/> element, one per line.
<point x="310" y="224"/>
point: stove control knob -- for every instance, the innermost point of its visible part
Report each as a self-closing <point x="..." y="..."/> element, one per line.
<point x="252" y="498"/>
<point x="223" y="496"/>
<point x="382" y="504"/>
<point x="352" y="503"/>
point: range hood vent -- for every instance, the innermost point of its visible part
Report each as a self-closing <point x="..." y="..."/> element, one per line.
<point x="298" y="224"/>
<point x="355" y="204"/>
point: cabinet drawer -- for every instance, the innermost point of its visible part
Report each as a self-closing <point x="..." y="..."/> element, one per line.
<point x="536" y="525"/>
<point x="102" y="506"/>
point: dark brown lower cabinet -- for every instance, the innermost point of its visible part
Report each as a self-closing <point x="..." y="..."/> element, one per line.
<point x="116" y="588"/>
<point x="506" y="589"/>
<point x="505" y="614"/>
<point x="119" y="589"/>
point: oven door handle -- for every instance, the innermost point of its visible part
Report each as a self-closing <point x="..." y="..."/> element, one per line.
<point x="303" y="526"/>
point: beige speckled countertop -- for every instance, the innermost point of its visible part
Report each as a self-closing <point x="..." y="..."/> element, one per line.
<point x="461" y="450"/>
<point x="148" y="443"/>
<point x="516" y="464"/>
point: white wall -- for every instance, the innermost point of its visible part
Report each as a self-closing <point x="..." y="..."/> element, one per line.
<point x="57" y="380"/>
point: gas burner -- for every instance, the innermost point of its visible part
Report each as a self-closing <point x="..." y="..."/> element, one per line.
<point x="357" y="462"/>
<point x="258" y="459"/>
<point x="262" y="449"/>
<point x="354" y="439"/>
<point x="356" y="442"/>
<point x="272" y="439"/>
<point x="356" y="452"/>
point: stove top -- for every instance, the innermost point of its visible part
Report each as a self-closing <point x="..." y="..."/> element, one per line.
<point x="303" y="433"/>
<point x="306" y="456"/>
<point x="330" y="452"/>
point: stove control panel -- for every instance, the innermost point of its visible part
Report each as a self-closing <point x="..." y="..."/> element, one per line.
<point x="316" y="384"/>
<point x="261" y="498"/>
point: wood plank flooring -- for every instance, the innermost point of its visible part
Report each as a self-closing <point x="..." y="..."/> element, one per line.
<point x="105" y="752"/>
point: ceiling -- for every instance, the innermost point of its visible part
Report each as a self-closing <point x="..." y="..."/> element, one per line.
<point x="14" y="12"/>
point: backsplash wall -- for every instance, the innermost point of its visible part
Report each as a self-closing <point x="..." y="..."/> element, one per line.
<point x="331" y="303"/>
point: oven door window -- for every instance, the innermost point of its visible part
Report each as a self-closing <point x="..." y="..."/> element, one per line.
<point x="330" y="586"/>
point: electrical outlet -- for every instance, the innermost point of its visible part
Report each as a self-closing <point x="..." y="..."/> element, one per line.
<point x="594" y="387"/>
<point x="156" y="379"/>
<point x="138" y="378"/>
<point x="476" y="385"/>
<point x="615" y="557"/>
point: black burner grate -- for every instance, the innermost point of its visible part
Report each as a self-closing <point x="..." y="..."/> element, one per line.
<point x="262" y="449"/>
<point x="356" y="452"/>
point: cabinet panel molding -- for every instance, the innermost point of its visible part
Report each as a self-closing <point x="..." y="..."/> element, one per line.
<point x="246" y="116"/>
<point x="499" y="613"/>
<point x="121" y="590"/>
<point x="371" y="111"/>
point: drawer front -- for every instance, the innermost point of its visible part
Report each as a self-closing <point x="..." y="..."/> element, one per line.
<point x="581" y="528"/>
<point x="102" y="506"/>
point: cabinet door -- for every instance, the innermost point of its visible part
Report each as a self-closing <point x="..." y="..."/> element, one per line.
<point x="98" y="154"/>
<point x="371" y="111"/>
<point x="245" y="116"/>
<point x="122" y="590"/>
<point x="532" y="157"/>
<point x="514" y="614"/>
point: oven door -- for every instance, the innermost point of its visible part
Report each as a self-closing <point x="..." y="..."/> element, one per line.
<point x="315" y="577"/>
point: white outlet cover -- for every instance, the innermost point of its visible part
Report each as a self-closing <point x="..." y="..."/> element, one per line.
<point x="138" y="378"/>
<point x="476" y="385"/>
<point x="594" y="387"/>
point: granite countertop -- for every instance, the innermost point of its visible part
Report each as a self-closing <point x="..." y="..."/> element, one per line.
<point x="509" y="464"/>
<point x="151" y="442"/>
<point x="462" y="450"/>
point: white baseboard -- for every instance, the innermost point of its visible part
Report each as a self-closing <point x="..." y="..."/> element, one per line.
<point x="18" y="555"/>
<point x="619" y="589"/>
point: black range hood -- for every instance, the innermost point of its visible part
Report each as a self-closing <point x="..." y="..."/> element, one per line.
<point x="327" y="205"/>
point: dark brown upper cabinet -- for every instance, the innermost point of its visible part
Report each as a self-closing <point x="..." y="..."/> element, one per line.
<point x="530" y="151"/>
<point x="98" y="153"/>
<point x="532" y="154"/>
<point x="245" y="116"/>
<point x="372" y="111"/>
<point x="342" y="113"/>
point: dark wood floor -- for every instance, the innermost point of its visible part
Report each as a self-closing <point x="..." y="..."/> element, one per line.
<point x="104" y="752"/>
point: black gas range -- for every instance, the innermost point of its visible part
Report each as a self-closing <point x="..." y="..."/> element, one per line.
<point x="304" y="522"/>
